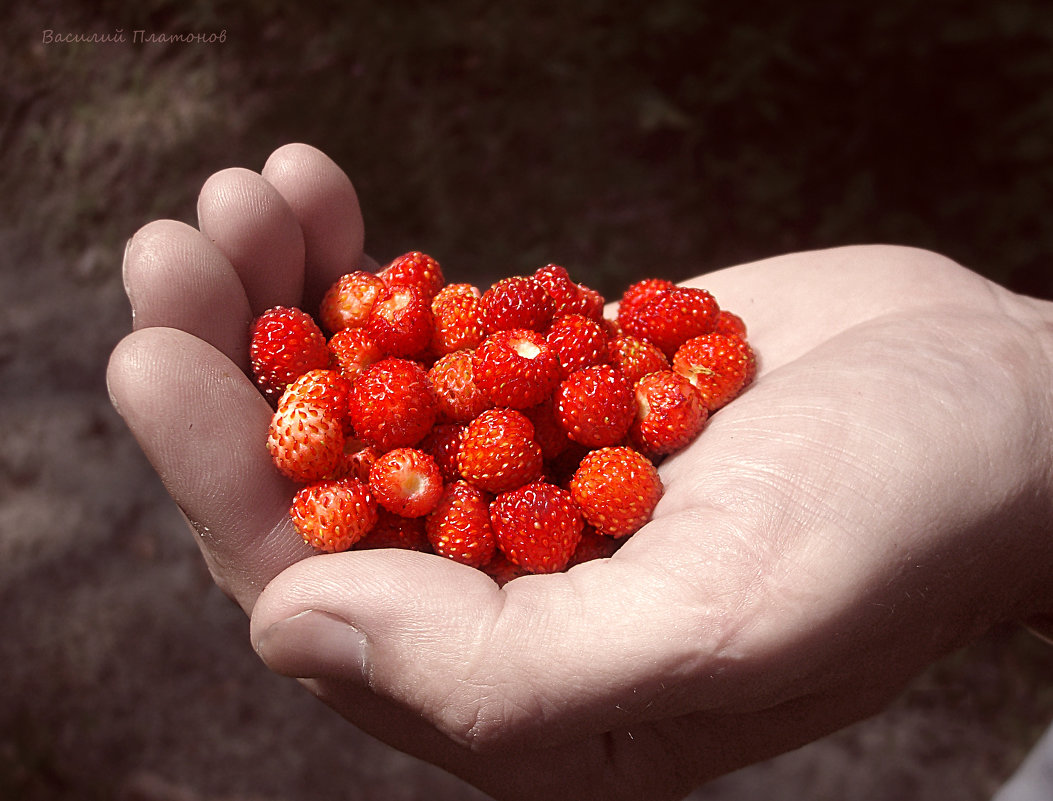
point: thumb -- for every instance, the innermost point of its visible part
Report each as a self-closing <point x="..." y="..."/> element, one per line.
<point x="543" y="660"/>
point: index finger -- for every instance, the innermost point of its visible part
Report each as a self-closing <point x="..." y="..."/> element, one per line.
<point x="202" y="424"/>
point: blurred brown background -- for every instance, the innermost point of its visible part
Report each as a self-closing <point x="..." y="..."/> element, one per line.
<point x="651" y="137"/>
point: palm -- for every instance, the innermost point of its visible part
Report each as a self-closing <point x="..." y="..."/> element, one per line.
<point x="802" y="564"/>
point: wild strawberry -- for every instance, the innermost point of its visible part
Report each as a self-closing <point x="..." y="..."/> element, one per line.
<point x="671" y="318"/>
<point x="718" y="365"/>
<point x="517" y="302"/>
<point x="515" y="368"/>
<point x="392" y="531"/>
<point x="616" y="490"/>
<point x="578" y="342"/>
<point x="537" y="526"/>
<point x="593" y="545"/>
<point x="285" y="343"/>
<point x="352" y="351"/>
<point x="611" y="327"/>
<point x="558" y="284"/>
<point x="391" y="404"/>
<point x="406" y="481"/>
<point x="333" y="515"/>
<point x="731" y="324"/>
<point x="548" y="433"/>
<point x="592" y="303"/>
<point x="357" y="460"/>
<point x="669" y="413"/>
<point x="347" y="302"/>
<point x="459" y="527"/>
<point x="401" y="322"/>
<point x="558" y="470"/>
<point x="305" y="439"/>
<point x="327" y="388"/>
<point x="458" y="397"/>
<point x="639" y="293"/>
<point x="636" y="357"/>
<point x="502" y="569"/>
<point x="443" y="443"/>
<point x="414" y="269"/>
<point x="595" y="406"/>
<point x="324" y="387"/>
<point x="569" y="297"/>
<point x="458" y="314"/>
<point x="498" y="452"/>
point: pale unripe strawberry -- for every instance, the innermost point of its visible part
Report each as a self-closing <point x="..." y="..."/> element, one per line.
<point x="333" y="515"/>
<point x="305" y="440"/>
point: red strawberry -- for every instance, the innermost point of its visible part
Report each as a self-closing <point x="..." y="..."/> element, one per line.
<point x="640" y="293"/>
<point x="569" y="297"/>
<point x="498" y="452"/>
<point x="616" y="490"/>
<point x="548" y="433"/>
<point x="537" y="526"/>
<point x="592" y="303"/>
<point x="718" y="365"/>
<point x="458" y="396"/>
<point x="611" y="327"/>
<point x="347" y="302"/>
<point x="559" y="470"/>
<point x="673" y="317"/>
<point x="333" y="515"/>
<point x="285" y="344"/>
<point x="392" y="531"/>
<point x="443" y="443"/>
<point x="502" y="569"/>
<point x="731" y="324"/>
<point x="325" y="387"/>
<point x="406" y="481"/>
<point x="352" y="351"/>
<point x="401" y="322"/>
<point x="558" y="284"/>
<point x="593" y="545"/>
<point x="391" y="404"/>
<point x="516" y="368"/>
<point x="578" y="342"/>
<point x="414" y="269"/>
<point x="357" y="460"/>
<point x="458" y="314"/>
<point x="517" y="302"/>
<point x="595" y="406"/>
<point x="669" y="413"/>
<point x="459" y="527"/>
<point x="636" y="357"/>
<point x="305" y="439"/>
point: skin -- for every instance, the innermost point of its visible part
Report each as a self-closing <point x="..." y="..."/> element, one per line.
<point x="878" y="498"/>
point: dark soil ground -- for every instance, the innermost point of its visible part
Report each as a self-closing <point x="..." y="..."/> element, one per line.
<point x="668" y="137"/>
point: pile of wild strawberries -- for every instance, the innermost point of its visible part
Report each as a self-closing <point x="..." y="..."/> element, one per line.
<point x="514" y="430"/>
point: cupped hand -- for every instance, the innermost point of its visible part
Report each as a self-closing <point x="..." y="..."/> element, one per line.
<point x="878" y="497"/>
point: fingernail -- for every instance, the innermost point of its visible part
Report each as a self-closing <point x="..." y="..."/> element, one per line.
<point x="124" y="277"/>
<point x="124" y="258"/>
<point x="314" y="644"/>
